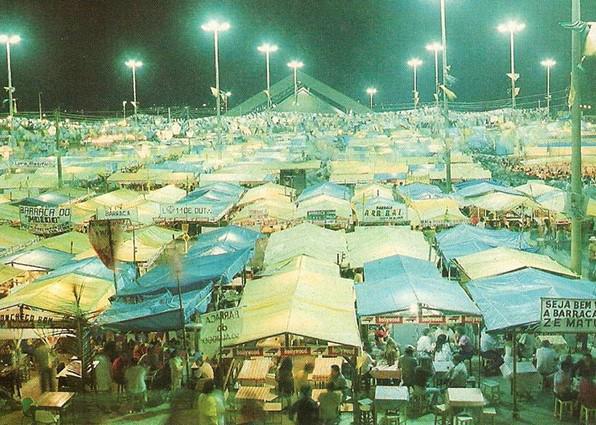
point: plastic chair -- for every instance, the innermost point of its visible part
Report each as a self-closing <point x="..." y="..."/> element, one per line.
<point x="585" y="415"/>
<point x="26" y="408"/>
<point x="44" y="417"/>
<point x="560" y="407"/>
<point x="489" y="414"/>
<point x="441" y="412"/>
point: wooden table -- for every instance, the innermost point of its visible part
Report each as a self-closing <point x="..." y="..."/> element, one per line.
<point x="73" y="369"/>
<point x="443" y="367"/>
<point x="386" y="372"/>
<point x="391" y="397"/>
<point x="465" y="397"/>
<point x="53" y="400"/>
<point x="255" y="393"/>
<point x="528" y="379"/>
<point x="255" y="370"/>
<point x="322" y="369"/>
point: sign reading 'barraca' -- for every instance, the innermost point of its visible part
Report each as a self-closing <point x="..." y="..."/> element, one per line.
<point x="45" y="220"/>
<point x="568" y="315"/>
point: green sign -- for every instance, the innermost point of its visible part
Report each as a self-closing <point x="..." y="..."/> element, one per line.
<point x="322" y="216"/>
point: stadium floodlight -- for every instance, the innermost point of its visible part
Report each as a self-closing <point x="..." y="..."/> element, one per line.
<point x="295" y="65"/>
<point x="548" y="64"/>
<point x="8" y="40"/>
<point x="512" y="27"/>
<point x="371" y="92"/>
<point x="133" y="64"/>
<point x="268" y="49"/>
<point x="435" y="48"/>
<point x="415" y="63"/>
<point x="216" y="27"/>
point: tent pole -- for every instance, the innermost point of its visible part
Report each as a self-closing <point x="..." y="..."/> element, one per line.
<point x="185" y="343"/>
<point x="479" y="356"/>
<point x="515" y="411"/>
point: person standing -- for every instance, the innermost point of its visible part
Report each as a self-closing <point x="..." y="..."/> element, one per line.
<point x="135" y="385"/>
<point x="103" y="375"/>
<point x="176" y="368"/>
<point x="458" y="375"/>
<point x="305" y="409"/>
<point x="45" y="358"/>
<point x="408" y="364"/>
<point x="329" y="402"/>
<point x="285" y="378"/>
<point x="208" y="407"/>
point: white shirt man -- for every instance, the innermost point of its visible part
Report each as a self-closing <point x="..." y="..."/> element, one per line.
<point x="546" y="359"/>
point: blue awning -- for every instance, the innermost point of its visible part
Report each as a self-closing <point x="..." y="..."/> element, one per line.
<point x="385" y="268"/>
<point x="154" y="314"/>
<point x="38" y="259"/>
<point x="513" y="300"/>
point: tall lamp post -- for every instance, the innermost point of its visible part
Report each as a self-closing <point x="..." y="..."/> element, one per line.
<point x="295" y="65"/>
<point x="548" y="64"/>
<point x="226" y="96"/>
<point x="435" y="48"/>
<point x="268" y="49"/>
<point x="133" y="65"/>
<point x="371" y="92"/>
<point x="415" y="63"/>
<point x="512" y="27"/>
<point x="8" y="40"/>
<point x="216" y="27"/>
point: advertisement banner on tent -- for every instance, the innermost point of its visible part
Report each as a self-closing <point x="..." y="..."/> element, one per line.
<point x="224" y="325"/>
<point x="389" y="213"/>
<point x="117" y="214"/>
<point x="568" y="315"/>
<point x="33" y="163"/>
<point x="25" y="318"/>
<point x="294" y="351"/>
<point x="45" y="220"/>
<point x="186" y="212"/>
<point x="321" y="216"/>
<point x="430" y="320"/>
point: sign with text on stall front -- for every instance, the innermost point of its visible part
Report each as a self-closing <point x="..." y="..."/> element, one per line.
<point x="186" y="212"/>
<point x="568" y="315"/>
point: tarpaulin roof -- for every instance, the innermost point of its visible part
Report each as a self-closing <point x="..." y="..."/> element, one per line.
<point x="8" y="272"/>
<point x="304" y="263"/>
<point x="325" y="202"/>
<point x="501" y="260"/>
<point x="93" y="267"/>
<point x="441" y="211"/>
<point x="482" y="188"/>
<point x="71" y="242"/>
<point x="230" y="238"/>
<point x="418" y="191"/>
<point x="534" y="189"/>
<point x="555" y="200"/>
<point x="465" y="239"/>
<point x="374" y="190"/>
<point x="331" y="189"/>
<point x="404" y="294"/>
<point x="58" y="295"/>
<point x="513" y="300"/>
<point x="370" y="243"/>
<point x="38" y="259"/>
<point x="385" y="268"/>
<point x="166" y="195"/>
<point x="155" y="313"/>
<point x="268" y="191"/>
<point x="306" y="239"/>
<point x="299" y="302"/>
<point x="196" y="272"/>
<point x="499" y="202"/>
<point x="11" y="238"/>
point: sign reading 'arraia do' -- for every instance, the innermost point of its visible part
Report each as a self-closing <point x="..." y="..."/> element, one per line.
<point x="390" y="212"/>
<point x="45" y="220"/>
<point x="186" y="212"/>
<point x="568" y="315"/>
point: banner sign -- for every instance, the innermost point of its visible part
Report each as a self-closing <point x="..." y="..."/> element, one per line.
<point x="568" y="315"/>
<point x="186" y="212"/>
<point x="248" y="352"/>
<point x="33" y="163"/>
<point x="391" y="212"/>
<point x="432" y="320"/>
<point x="117" y="214"/>
<point x="322" y="216"/>
<point x="224" y="325"/>
<point x="104" y="237"/>
<point x="25" y="318"/>
<point x="294" y="351"/>
<point x="338" y="350"/>
<point x="45" y="220"/>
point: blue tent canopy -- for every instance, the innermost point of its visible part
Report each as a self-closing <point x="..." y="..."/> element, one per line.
<point x="196" y="272"/>
<point x="512" y="300"/>
<point x="418" y="191"/>
<point x="39" y="259"/>
<point x="327" y="188"/>
<point x="482" y="188"/>
<point x="154" y="314"/>
<point x="465" y="239"/>
<point x="229" y="239"/>
<point x="403" y="292"/>
<point x="93" y="267"/>
<point x="216" y="191"/>
<point x="396" y="265"/>
<point x="177" y="167"/>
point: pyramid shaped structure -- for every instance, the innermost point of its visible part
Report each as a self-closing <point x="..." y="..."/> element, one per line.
<point x="313" y="97"/>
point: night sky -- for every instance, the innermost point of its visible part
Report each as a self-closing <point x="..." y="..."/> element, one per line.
<point x="74" y="51"/>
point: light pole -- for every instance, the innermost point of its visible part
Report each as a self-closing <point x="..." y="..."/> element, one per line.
<point x="371" y="92"/>
<point x="133" y="65"/>
<point x="8" y="40"/>
<point x="548" y="64"/>
<point x="216" y="27"/>
<point x="295" y="65"/>
<point x="39" y="99"/>
<point x="512" y="27"/>
<point x="435" y="48"/>
<point x="268" y="49"/>
<point x="445" y="72"/>
<point x="415" y="63"/>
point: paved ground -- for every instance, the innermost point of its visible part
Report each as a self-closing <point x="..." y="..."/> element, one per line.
<point x="86" y="411"/>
